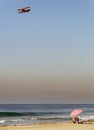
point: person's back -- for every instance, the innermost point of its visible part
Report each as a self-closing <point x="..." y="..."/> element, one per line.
<point x="75" y="120"/>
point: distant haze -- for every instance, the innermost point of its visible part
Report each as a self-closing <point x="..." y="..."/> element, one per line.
<point x="47" y="90"/>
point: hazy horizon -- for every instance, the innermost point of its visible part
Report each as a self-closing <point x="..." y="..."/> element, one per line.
<point x="47" y="55"/>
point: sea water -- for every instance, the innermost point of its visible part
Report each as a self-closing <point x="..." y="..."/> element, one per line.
<point x="22" y="114"/>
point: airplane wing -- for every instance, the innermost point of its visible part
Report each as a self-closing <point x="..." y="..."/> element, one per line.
<point x="20" y="9"/>
<point x="26" y="7"/>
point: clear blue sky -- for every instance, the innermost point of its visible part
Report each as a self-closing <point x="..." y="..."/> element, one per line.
<point x="53" y="42"/>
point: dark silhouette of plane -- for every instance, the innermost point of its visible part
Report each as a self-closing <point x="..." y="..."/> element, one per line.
<point x="24" y="10"/>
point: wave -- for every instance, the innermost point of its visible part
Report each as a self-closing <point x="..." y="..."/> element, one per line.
<point x="40" y="119"/>
<point x="13" y="114"/>
<point x="56" y="118"/>
<point x="42" y="116"/>
<point x="10" y="114"/>
<point x="27" y="120"/>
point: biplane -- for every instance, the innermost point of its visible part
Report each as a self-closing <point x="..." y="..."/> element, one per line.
<point x="24" y="10"/>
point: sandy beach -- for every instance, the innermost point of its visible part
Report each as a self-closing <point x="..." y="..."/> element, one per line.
<point x="52" y="126"/>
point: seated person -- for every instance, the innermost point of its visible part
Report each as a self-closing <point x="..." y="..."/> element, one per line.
<point x="75" y="120"/>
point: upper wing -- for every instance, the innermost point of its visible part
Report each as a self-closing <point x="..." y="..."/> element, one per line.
<point x="26" y="7"/>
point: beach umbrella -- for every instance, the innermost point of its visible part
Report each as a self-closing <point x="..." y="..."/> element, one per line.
<point x="76" y="112"/>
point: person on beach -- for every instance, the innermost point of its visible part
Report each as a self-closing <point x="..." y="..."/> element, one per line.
<point x="75" y="120"/>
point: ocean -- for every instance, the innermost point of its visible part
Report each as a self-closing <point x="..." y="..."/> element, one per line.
<point x="22" y="114"/>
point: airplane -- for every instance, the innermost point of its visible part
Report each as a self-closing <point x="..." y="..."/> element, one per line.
<point x="24" y="10"/>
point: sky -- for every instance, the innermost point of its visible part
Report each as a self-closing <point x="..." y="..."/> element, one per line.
<point x="47" y="55"/>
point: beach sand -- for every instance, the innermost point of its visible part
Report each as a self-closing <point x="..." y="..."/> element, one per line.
<point x="53" y="126"/>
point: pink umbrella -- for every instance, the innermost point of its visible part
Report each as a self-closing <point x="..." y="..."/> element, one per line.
<point x="76" y="112"/>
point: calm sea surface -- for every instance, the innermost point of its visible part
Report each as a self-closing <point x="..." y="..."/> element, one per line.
<point x="18" y="114"/>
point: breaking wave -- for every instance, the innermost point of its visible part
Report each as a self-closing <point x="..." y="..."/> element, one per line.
<point x="13" y="114"/>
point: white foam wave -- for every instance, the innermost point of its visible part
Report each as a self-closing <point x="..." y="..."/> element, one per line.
<point x="87" y="117"/>
<point x="2" y="121"/>
<point x="15" y="120"/>
<point x="33" y="118"/>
